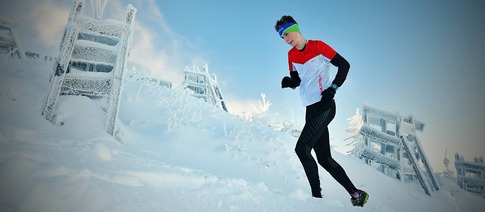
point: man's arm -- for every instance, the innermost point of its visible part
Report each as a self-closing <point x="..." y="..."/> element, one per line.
<point x="343" y="69"/>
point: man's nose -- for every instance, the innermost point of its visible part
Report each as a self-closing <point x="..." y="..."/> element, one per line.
<point x="287" y="40"/>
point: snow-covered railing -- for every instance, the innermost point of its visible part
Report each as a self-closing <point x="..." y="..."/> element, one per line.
<point x="381" y="137"/>
<point x="369" y="154"/>
<point x="471" y="175"/>
<point x="381" y="114"/>
<point x="202" y="85"/>
<point x="92" y="59"/>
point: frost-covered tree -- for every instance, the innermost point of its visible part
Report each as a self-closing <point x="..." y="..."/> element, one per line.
<point x="262" y="108"/>
<point x="355" y="124"/>
<point x="261" y="113"/>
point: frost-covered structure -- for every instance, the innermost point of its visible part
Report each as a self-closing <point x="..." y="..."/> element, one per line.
<point x="9" y="40"/>
<point x="202" y="85"/>
<point x="11" y="45"/>
<point x="388" y="142"/>
<point x="471" y="174"/>
<point x="93" y="56"/>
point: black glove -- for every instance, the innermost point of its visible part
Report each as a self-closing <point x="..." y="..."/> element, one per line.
<point x="292" y="82"/>
<point x="287" y="82"/>
<point x="328" y="94"/>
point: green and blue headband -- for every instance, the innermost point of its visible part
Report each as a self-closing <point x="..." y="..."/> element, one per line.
<point x="288" y="27"/>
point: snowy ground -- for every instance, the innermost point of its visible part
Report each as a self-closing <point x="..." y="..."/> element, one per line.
<point x="173" y="153"/>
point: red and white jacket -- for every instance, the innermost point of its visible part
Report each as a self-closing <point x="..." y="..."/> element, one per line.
<point x="313" y="66"/>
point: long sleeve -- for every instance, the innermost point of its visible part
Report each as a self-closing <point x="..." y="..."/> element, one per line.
<point x="343" y="69"/>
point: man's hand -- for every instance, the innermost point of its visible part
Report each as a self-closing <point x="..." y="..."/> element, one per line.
<point x="287" y="82"/>
<point x="328" y="94"/>
<point x="291" y="82"/>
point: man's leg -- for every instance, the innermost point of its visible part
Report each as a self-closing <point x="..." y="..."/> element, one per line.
<point x="310" y="166"/>
<point x="324" y="157"/>
<point x="309" y="136"/>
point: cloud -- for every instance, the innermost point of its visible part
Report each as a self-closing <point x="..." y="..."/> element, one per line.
<point x="50" y="21"/>
<point x="154" y="9"/>
<point x="156" y="61"/>
<point x="158" y="49"/>
<point x="41" y="23"/>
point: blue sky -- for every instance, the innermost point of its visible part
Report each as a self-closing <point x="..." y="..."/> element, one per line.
<point x="424" y="58"/>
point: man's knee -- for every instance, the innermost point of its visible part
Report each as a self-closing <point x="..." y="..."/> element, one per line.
<point x="299" y="150"/>
<point x="303" y="151"/>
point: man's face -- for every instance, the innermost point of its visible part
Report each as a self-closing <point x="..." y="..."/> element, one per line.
<point x="291" y="38"/>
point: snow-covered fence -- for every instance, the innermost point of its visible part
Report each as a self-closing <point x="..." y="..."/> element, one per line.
<point x="471" y="174"/>
<point x="388" y="142"/>
<point x="202" y="85"/>
<point x="93" y="56"/>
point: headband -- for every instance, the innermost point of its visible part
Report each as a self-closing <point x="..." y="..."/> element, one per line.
<point x="288" y="27"/>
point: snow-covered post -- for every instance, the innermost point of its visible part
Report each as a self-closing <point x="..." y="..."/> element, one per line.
<point x="124" y="51"/>
<point x="67" y="47"/>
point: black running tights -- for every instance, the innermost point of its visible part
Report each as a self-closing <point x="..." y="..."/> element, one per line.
<point x="315" y="136"/>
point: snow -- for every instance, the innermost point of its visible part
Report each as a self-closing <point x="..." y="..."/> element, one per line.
<point x="173" y="152"/>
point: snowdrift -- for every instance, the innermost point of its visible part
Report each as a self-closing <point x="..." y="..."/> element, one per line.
<point x="172" y="153"/>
